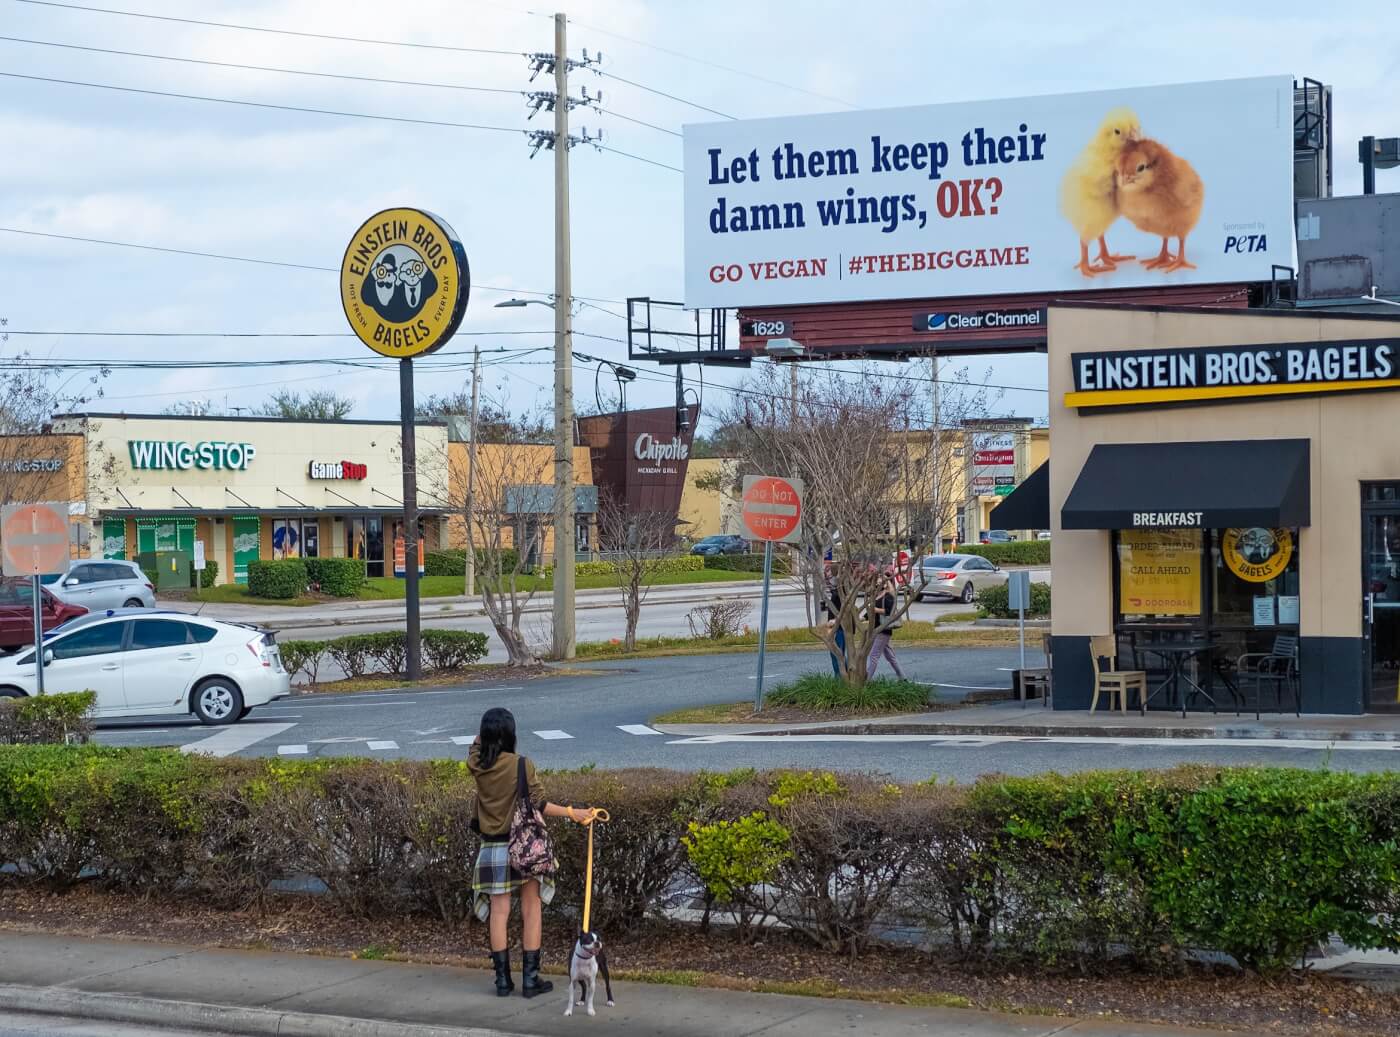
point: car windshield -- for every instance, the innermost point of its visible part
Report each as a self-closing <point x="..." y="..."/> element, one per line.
<point x="714" y="540"/>
<point x="940" y="562"/>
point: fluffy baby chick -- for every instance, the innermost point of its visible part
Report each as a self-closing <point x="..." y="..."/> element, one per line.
<point x="1087" y="195"/>
<point x="1161" y="194"/>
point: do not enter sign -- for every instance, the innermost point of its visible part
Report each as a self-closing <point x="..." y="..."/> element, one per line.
<point x="772" y="508"/>
<point x="34" y="538"/>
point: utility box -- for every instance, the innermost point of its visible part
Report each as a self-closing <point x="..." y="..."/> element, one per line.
<point x="172" y="568"/>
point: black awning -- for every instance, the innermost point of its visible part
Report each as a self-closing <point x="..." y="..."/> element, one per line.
<point x="1027" y="506"/>
<point x="1257" y="482"/>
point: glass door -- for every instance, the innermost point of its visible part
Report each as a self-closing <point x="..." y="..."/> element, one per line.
<point x="374" y="546"/>
<point x="1380" y="588"/>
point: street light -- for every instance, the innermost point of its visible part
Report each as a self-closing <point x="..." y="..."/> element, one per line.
<point x="563" y="474"/>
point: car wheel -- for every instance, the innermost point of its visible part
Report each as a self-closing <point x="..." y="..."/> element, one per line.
<point x="244" y="712"/>
<point x="133" y="603"/>
<point x="968" y="593"/>
<point x="217" y="701"/>
<point x="11" y="693"/>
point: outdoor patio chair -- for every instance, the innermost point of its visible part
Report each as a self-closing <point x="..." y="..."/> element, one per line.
<point x="1112" y="681"/>
<point x="1277" y="668"/>
<point x="1038" y="678"/>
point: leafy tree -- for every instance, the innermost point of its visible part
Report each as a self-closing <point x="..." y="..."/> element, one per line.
<point x="316" y="405"/>
<point x="494" y="421"/>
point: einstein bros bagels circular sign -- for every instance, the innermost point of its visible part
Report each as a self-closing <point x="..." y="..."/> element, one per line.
<point x="1257" y="554"/>
<point x="404" y="282"/>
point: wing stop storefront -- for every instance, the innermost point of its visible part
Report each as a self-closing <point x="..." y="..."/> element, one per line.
<point x="1226" y="484"/>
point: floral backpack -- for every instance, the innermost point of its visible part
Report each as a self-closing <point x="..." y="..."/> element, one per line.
<point x="530" y="850"/>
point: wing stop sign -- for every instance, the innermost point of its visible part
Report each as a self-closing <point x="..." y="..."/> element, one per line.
<point x="404" y="282"/>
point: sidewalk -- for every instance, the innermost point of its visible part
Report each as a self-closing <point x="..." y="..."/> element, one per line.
<point x="350" y="613"/>
<point x="242" y="992"/>
<point x="1011" y="719"/>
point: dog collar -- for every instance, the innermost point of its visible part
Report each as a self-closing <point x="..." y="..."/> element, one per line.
<point x="579" y="952"/>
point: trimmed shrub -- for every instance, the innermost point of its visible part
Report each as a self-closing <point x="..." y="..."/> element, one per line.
<point x="152" y="577"/>
<point x="338" y="577"/>
<point x="285" y="578"/>
<point x="209" y="575"/>
<point x="1018" y="552"/>
<point x="304" y="657"/>
<point x="37" y="719"/>
<point x="453" y="561"/>
<point x="749" y="563"/>
<point x="821" y="692"/>
<point x="655" y="566"/>
<point x="453" y="649"/>
<point x="992" y="602"/>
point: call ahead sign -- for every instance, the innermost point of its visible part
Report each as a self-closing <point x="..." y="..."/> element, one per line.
<point x="1139" y="377"/>
<point x="404" y="282"/>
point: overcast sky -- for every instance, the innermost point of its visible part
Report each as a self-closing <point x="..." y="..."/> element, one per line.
<point x="292" y="187"/>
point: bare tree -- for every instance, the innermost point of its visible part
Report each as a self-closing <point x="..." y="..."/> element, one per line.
<point x="316" y="405"/>
<point x="859" y="441"/>
<point x="636" y="544"/>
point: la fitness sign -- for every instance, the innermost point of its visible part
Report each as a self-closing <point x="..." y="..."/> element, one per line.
<point x="216" y="455"/>
<point x="337" y="470"/>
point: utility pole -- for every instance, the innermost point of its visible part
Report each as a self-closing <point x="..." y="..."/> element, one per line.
<point x="469" y="587"/>
<point x="563" y="359"/>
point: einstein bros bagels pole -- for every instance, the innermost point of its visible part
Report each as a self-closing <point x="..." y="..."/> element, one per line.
<point x="404" y="283"/>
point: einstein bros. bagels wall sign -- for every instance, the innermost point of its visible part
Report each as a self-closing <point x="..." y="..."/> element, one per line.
<point x="404" y="282"/>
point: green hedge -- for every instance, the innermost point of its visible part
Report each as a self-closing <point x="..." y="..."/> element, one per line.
<point x="660" y="566"/>
<point x="453" y="561"/>
<point x="285" y="578"/>
<point x="1018" y="552"/>
<point x="361" y="655"/>
<point x="1091" y="871"/>
<point x="65" y="717"/>
<point x="209" y="575"/>
<point x="992" y="602"/>
<point x="338" y="577"/>
<point x="748" y="563"/>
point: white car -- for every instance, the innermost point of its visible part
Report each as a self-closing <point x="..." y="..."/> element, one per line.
<point x="103" y="583"/>
<point x="142" y="662"/>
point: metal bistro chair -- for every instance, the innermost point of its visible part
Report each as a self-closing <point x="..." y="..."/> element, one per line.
<point x="1040" y="678"/>
<point x="1278" y="667"/>
<point x="1112" y="681"/>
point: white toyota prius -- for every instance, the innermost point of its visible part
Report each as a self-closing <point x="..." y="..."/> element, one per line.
<point x="146" y="662"/>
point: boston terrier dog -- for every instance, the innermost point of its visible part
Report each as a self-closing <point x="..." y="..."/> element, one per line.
<point x="587" y="962"/>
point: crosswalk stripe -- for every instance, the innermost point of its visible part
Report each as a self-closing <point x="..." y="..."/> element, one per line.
<point x="292" y="750"/>
<point x="381" y="745"/>
<point x="235" y="739"/>
<point x="552" y="736"/>
<point x="638" y="729"/>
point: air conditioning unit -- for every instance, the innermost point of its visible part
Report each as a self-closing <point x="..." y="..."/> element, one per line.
<point x="1312" y="140"/>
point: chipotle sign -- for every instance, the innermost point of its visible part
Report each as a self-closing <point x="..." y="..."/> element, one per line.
<point x="640" y="457"/>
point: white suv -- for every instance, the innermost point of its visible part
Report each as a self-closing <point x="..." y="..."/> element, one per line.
<point x="142" y="663"/>
<point x="98" y="584"/>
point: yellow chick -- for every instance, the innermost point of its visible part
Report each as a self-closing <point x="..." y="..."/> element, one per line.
<point x="1088" y="196"/>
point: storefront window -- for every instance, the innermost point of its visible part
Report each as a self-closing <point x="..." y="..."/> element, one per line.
<point x="1159" y="575"/>
<point x="286" y="538"/>
<point x="1254" y="574"/>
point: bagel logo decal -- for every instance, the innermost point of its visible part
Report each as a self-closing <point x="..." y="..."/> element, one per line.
<point x="1257" y="554"/>
<point x="404" y="282"/>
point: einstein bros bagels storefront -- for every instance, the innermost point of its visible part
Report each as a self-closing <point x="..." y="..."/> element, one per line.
<point x="1225" y="505"/>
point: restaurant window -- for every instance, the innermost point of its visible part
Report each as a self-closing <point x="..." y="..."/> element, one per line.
<point x="582" y="527"/>
<point x="1254" y="577"/>
<point x="286" y="538"/>
<point x="1159" y="575"/>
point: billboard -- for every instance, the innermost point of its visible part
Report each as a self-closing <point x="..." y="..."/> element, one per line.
<point x="1148" y="187"/>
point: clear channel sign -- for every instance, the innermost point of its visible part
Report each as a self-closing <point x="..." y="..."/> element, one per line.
<point x="772" y="512"/>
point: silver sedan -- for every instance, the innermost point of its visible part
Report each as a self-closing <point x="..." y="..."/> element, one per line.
<point x="955" y="576"/>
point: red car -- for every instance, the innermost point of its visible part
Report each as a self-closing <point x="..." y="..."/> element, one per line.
<point x="17" y="612"/>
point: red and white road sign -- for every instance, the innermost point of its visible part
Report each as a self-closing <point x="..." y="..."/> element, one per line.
<point x="34" y="538"/>
<point x="772" y="508"/>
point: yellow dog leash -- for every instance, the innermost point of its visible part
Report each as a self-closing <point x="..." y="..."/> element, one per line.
<point x="598" y="815"/>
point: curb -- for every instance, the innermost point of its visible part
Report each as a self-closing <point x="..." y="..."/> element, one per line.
<point x="1105" y="732"/>
<point x="122" y="1008"/>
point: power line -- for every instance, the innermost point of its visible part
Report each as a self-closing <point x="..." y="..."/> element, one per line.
<point x="660" y="93"/>
<point x="627" y="118"/>
<point x="265" y="262"/>
<point x="264" y="104"/>
<point x="638" y="158"/>
<point x="261" y="68"/>
<point x="279" y="32"/>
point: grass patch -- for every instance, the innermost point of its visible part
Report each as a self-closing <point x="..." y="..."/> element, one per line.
<point x="824" y="692"/>
<point x="914" y="633"/>
<point x="825" y="988"/>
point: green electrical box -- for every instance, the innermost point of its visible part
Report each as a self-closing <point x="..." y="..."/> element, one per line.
<point x="172" y="568"/>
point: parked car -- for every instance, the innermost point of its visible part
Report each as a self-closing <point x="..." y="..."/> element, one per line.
<point x="105" y="584"/>
<point x="142" y="662"/>
<point x="17" y="612"/>
<point x="721" y="544"/>
<point x="956" y="576"/>
<point x="1043" y="534"/>
<point x="996" y="536"/>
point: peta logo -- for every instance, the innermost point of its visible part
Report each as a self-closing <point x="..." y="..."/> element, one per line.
<point x="1246" y="243"/>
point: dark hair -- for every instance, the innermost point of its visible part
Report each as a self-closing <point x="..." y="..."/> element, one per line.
<point x="497" y="735"/>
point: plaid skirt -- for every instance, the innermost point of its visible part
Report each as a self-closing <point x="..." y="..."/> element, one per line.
<point x="493" y="875"/>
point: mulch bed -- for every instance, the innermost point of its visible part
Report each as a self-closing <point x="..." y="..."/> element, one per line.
<point x="475" y="675"/>
<point x="1298" y="1004"/>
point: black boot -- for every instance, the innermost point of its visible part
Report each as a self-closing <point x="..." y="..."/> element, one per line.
<point x="531" y="985"/>
<point x="504" y="984"/>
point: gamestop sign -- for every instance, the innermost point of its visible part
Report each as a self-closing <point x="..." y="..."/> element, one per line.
<point x="337" y="470"/>
<point x="1145" y="187"/>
